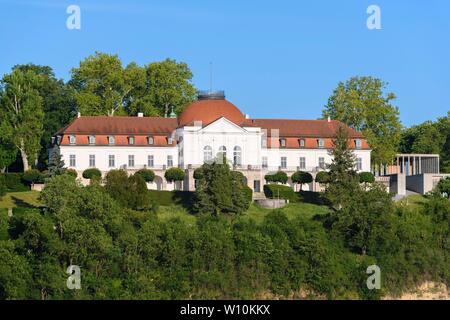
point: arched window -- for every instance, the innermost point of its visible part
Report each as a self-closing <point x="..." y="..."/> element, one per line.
<point x="207" y="154"/>
<point x="237" y="156"/>
<point x="222" y="153"/>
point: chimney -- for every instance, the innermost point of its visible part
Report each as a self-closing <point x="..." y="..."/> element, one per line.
<point x="78" y="114"/>
<point x="140" y="115"/>
<point x="329" y="119"/>
<point x="247" y="116"/>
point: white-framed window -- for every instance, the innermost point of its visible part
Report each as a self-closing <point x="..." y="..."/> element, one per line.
<point x="264" y="163"/>
<point x="237" y="156"/>
<point x="207" y="154"/>
<point x="131" y="140"/>
<point x="223" y="151"/>
<point x="72" y="139"/>
<point x="150" y="140"/>
<point x="111" y="161"/>
<point x="302" y="163"/>
<point x="264" y="138"/>
<point x="359" y="164"/>
<point x="169" y="140"/>
<point x="111" y="140"/>
<point x="169" y="161"/>
<point x="283" y="143"/>
<point x="131" y="160"/>
<point x="320" y="143"/>
<point x="301" y="143"/>
<point x="72" y="160"/>
<point x="150" y="161"/>
<point x="91" y="139"/>
<point x="92" y="160"/>
<point x="321" y="162"/>
<point x="283" y="162"/>
<point x="358" y="144"/>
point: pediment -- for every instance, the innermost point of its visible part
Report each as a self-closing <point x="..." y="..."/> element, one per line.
<point x="223" y="125"/>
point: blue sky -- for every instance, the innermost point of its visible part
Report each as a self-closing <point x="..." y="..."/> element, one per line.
<point x="274" y="59"/>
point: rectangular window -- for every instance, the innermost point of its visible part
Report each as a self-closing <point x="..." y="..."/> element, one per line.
<point x="72" y="140"/>
<point x="264" y="163"/>
<point x="301" y="143"/>
<point x="257" y="186"/>
<point x="358" y="143"/>
<point x="169" y="140"/>
<point x="169" y="161"/>
<point x="111" y="161"/>
<point x="283" y="143"/>
<point x="131" y="161"/>
<point x="92" y="160"/>
<point x="111" y="140"/>
<point x="91" y="139"/>
<point x="321" y="143"/>
<point x="302" y="163"/>
<point x="322" y="163"/>
<point x="359" y="164"/>
<point x="150" y="140"/>
<point x="72" y="160"/>
<point x="131" y="140"/>
<point x="283" y="162"/>
<point x="150" y="161"/>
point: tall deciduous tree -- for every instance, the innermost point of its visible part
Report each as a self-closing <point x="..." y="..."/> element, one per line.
<point x="21" y="113"/>
<point x="362" y="104"/>
<point x="170" y="85"/>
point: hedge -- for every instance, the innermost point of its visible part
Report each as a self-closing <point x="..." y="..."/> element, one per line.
<point x="366" y="177"/>
<point x="280" y="177"/>
<point x="248" y="193"/>
<point x="13" y="182"/>
<point x="275" y="191"/>
<point x="168" y="198"/>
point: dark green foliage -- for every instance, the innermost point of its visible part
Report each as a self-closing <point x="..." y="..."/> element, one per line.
<point x="366" y="177"/>
<point x="2" y="188"/>
<point x="301" y="178"/>
<point x="72" y="173"/>
<point x="275" y="191"/>
<point x="147" y="174"/>
<point x="92" y="173"/>
<point x="169" y="198"/>
<point x="278" y="177"/>
<point x="138" y="198"/>
<point x="56" y="164"/>
<point x="322" y="177"/>
<point x="198" y="173"/>
<point x="13" y="182"/>
<point x="241" y="196"/>
<point x="174" y="174"/>
<point x="32" y="176"/>
<point x="443" y="187"/>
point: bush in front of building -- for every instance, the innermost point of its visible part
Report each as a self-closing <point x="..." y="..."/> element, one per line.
<point x="174" y="174"/>
<point x="322" y="177"/>
<point x="147" y="174"/>
<point x="366" y="177"/>
<point x="13" y="182"/>
<point x="92" y="174"/>
<point x="198" y="173"/>
<point x="301" y="178"/>
<point x="443" y="186"/>
<point x="32" y="176"/>
<point x="276" y="191"/>
<point x="279" y="177"/>
<point x="71" y="172"/>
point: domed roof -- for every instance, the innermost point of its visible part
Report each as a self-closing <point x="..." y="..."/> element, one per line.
<point x="208" y="111"/>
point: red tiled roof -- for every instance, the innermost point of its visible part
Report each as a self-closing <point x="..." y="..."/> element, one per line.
<point x="208" y="111"/>
<point x="120" y="125"/>
<point x="301" y="128"/>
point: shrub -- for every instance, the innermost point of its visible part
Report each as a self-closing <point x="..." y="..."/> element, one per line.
<point x="72" y="173"/>
<point x="198" y="174"/>
<point x="174" y="174"/>
<point x="13" y="182"/>
<point x="92" y="173"/>
<point x="32" y="176"/>
<point x="275" y="191"/>
<point x="301" y="178"/>
<point x="279" y="177"/>
<point x="366" y="177"/>
<point x="443" y="187"/>
<point x="248" y="192"/>
<point x="322" y="177"/>
<point x="2" y="189"/>
<point x="116" y="186"/>
<point x="147" y="174"/>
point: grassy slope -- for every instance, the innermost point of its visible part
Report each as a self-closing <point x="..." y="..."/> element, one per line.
<point x="26" y="199"/>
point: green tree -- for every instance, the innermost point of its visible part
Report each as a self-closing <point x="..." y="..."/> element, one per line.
<point x="343" y="180"/>
<point x="362" y="104"/>
<point x="14" y="273"/>
<point x="170" y="85"/>
<point x="56" y="164"/>
<point x="278" y="177"/>
<point x="116" y="182"/>
<point x="322" y="177"/>
<point x="8" y="151"/>
<point x="92" y="174"/>
<point x="147" y="174"/>
<point x="301" y="178"/>
<point x="174" y="175"/>
<point x="21" y="114"/>
<point x="32" y="176"/>
<point x="240" y="198"/>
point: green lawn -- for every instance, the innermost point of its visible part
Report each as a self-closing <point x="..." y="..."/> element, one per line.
<point x="25" y="199"/>
<point x="413" y="201"/>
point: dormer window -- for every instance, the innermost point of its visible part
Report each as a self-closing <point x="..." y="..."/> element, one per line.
<point x="301" y="143"/>
<point x="169" y="140"/>
<point x="150" y="140"/>
<point x="283" y="143"/>
<point x="91" y="139"/>
<point x="72" y="139"/>
<point x="358" y="144"/>
<point x="111" y="140"/>
<point x="320" y="143"/>
<point x="131" y="140"/>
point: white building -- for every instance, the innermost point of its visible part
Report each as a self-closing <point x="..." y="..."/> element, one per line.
<point x="206" y="127"/>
